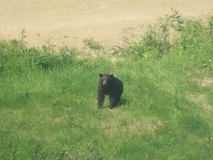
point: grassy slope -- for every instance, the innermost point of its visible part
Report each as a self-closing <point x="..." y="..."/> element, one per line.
<point x="48" y="105"/>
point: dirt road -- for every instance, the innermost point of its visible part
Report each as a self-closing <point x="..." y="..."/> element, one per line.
<point x="69" y="22"/>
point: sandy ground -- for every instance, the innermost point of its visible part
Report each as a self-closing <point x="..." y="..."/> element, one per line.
<point x="69" y="22"/>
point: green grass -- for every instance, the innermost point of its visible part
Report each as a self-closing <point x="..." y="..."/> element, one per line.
<point x="48" y="105"/>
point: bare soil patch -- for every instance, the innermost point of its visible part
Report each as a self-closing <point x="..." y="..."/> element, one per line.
<point x="68" y="23"/>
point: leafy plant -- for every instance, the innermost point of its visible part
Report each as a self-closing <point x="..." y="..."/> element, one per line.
<point x="92" y="44"/>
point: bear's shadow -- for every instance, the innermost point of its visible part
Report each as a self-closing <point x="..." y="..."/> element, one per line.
<point x="123" y="102"/>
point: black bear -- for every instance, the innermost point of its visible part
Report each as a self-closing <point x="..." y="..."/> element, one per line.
<point x="109" y="85"/>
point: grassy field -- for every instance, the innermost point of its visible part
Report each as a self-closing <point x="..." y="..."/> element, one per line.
<point x="48" y="104"/>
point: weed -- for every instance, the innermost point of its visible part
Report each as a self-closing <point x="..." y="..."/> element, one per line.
<point x="92" y="44"/>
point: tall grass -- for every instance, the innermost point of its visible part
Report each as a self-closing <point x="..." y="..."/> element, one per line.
<point x="48" y="105"/>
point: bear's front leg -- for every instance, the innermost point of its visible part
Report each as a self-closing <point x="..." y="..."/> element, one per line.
<point x="100" y="99"/>
<point x="112" y="101"/>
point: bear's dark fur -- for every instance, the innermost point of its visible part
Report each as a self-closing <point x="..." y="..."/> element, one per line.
<point x="109" y="85"/>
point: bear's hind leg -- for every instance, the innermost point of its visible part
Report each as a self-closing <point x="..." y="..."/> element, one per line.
<point x="112" y="101"/>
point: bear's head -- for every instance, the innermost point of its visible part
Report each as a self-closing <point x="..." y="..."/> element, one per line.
<point x="106" y="79"/>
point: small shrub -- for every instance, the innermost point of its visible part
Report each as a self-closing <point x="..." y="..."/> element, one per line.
<point x="92" y="44"/>
<point x="192" y="35"/>
<point x="159" y="37"/>
<point x="210" y="28"/>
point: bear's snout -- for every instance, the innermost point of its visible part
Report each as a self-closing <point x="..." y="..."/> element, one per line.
<point x="104" y="82"/>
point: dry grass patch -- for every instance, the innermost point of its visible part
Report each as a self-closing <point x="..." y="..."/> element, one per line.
<point x="205" y="82"/>
<point x="200" y="99"/>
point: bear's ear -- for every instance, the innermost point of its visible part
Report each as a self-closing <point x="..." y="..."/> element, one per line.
<point x="111" y="75"/>
<point x="100" y="74"/>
